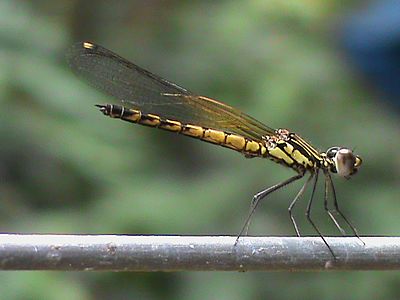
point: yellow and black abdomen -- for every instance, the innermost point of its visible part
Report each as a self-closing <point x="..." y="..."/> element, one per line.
<point x="248" y="147"/>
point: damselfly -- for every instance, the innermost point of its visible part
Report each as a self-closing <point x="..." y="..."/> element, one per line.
<point x="150" y="100"/>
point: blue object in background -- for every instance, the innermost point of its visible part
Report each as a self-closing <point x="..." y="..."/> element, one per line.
<point x="372" y="40"/>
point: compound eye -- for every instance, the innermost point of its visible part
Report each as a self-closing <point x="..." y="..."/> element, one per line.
<point x="346" y="162"/>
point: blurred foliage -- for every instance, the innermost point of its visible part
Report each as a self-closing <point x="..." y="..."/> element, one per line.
<point x="67" y="169"/>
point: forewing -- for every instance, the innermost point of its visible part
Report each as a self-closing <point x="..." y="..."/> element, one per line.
<point x="139" y="89"/>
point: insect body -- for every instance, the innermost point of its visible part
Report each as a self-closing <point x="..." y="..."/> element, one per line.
<point x="150" y="100"/>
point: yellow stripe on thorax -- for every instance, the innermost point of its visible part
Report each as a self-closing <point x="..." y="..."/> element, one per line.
<point x="287" y="152"/>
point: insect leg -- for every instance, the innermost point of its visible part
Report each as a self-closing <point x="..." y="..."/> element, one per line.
<point x="293" y="203"/>
<point x="308" y="215"/>
<point x="328" y="182"/>
<point x="259" y="196"/>
<point x="336" y="205"/>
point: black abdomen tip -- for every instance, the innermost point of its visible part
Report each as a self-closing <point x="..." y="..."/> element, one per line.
<point x="105" y="109"/>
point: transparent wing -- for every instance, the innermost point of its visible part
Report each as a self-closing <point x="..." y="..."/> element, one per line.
<point x="139" y="89"/>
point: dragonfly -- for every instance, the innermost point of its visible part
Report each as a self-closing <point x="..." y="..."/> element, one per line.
<point x="147" y="99"/>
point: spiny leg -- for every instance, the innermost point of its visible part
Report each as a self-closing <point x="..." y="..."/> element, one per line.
<point x="308" y="215"/>
<point x="336" y="205"/>
<point x="328" y="211"/>
<point x="293" y="203"/>
<point x="259" y="196"/>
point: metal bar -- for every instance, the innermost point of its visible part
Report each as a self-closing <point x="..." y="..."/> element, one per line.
<point x="194" y="253"/>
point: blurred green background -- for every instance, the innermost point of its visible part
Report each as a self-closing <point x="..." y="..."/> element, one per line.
<point x="67" y="169"/>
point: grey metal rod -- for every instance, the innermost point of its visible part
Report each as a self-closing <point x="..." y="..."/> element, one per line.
<point x="194" y="253"/>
